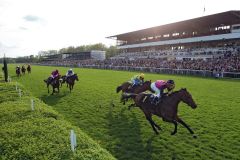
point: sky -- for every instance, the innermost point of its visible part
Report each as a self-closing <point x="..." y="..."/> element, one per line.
<point x="29" y="26"/>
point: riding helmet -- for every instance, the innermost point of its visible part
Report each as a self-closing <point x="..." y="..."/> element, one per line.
<point x="171" y="81"/>
<point x="142" y="75"/>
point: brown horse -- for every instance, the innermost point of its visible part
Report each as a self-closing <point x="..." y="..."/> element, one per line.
<point x="126" y="88"/>
<point x="167" y="108"/>
<point x="29" y="69"/>
<point x="23" y="69"/>
<point x="54" y="83"/>
<point x="71" y="81"/>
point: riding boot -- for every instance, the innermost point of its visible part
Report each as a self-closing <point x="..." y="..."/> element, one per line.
<point x="155" y="100"/>
<point x="51" y="80"/>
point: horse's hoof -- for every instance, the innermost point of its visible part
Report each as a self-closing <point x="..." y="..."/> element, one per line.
<point x="195" y="136"/>
<point x="173" y="133"/>
<point x="159" y="128"/>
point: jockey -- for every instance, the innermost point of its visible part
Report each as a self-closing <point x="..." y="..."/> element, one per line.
<point x="69" y="73"/>
<point x="54" y="74"/>
<point x="159" y="86"/>
<point x="137" y="80"/>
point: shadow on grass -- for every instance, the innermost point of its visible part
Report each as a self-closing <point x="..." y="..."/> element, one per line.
<point x="127" y="142"/>
<point x="52" y="99"/>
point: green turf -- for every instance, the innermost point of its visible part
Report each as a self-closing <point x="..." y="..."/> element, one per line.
<point x="39" y="134"/>
<point x="127" y="134"/>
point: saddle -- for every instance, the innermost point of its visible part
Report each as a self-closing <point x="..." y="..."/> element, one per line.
<point x="154" y="99"/>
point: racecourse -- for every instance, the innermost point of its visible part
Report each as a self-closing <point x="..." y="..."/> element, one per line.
<point x="94" y="107"/>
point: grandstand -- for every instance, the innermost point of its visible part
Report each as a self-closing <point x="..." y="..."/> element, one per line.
<point x="52" y="57"/>
<point x="94" y="54"/>
<point x="204" y="37"/>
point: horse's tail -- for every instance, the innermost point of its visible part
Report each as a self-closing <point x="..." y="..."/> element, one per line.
<point x="119" y="88"/>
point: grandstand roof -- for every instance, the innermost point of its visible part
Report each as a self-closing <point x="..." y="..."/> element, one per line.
<point x="224" y="18"/>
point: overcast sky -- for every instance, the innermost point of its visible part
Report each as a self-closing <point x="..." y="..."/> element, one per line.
<point x="28" y="26"/>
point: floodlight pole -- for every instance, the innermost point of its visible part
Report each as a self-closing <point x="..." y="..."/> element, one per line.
<point x="5" y="70"/>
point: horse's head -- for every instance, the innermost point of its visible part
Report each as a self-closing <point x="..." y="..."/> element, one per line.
<point x="76" y="77"/>
<point x="186" y="97"/>
<point x="147" y="84"/>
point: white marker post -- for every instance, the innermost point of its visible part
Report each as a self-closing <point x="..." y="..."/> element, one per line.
<point x="9" y="79"/>
<point x="19" y="92"/>
<point x="73" y="140"/>
<point x="32" y="104"/>
<point x="16" y="86"/>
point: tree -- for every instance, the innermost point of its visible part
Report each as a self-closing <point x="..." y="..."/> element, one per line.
<point x="111" y="51"/>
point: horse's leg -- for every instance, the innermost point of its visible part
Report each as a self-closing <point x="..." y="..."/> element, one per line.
<point x="131" y="105"/>
<point x="175" y="125"/>
<point x="123" y="100"/>
<point x="53" y="90"/>
<point x="185" y="125"/>
<point x="158" y="127"/>
<point x="149" y="118"/>
<point x="48" y="87"/>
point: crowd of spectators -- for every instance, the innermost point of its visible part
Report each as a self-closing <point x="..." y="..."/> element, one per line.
<point x="178" y="53"/>
<point x="226" y="63"/>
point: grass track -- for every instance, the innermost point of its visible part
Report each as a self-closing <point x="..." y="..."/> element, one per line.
<point x="127" y="135"/>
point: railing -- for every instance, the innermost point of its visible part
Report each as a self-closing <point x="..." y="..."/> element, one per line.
<point x="201" y="73"/>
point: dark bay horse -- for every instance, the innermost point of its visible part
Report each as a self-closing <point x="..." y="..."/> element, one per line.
<point x="126" y="88"/>
<point x="71" y="81"/>
<point x="23" y="69"/>
<point x="167" y="108"/>
<point x="54" y="83"/>
<point x="29" y="69"/>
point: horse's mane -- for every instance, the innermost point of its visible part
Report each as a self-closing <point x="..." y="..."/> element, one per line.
<point x="175" y="92"/>
<point x="147" y="82"/>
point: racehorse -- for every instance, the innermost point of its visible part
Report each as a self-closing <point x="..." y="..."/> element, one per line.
<point x="167" y="108"/>
<point x="63" y="80"/>
<point x="54" y="83"/>
<point x="29" y="69"/>
<point x="18" y="72"/>
<point x="126" y="88"/>
<point x="23" y="69"/>
<point x="71" y="81"/>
